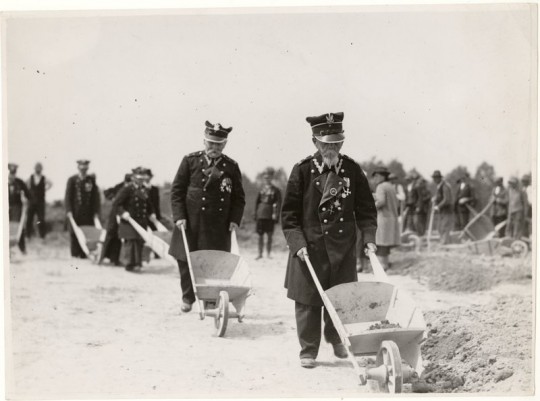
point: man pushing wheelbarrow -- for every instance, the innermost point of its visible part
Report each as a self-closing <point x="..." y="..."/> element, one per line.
<point x="327" y="197"/>
<point x="207" y="200"/>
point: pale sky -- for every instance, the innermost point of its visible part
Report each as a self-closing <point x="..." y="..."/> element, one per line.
<point x="433" y="88"/>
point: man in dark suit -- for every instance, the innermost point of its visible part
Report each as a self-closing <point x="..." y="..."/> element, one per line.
<point x="464" y="199"/>
<point x="37" y="184"/>
<point x="267" y="207"/>
<point x="207" y="200"/>
<point x="82" y="202"/>
<point x="327" y="197"/>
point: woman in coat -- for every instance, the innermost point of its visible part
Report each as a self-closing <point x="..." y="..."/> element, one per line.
<point x="386" y="202"/>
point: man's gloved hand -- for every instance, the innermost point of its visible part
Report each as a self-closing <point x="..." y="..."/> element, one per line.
<point x="69" y="214"/>
<point x="125" y="216"/>
<point x="370" y="247"/>
<point x="180" y="223"/>
<point x="301" y="253"/>
<point x="233" y="226"/>
<point x="436" y="208"/>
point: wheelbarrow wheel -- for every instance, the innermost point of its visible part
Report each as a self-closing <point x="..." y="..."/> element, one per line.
<point x="222" y="313"/>
<point x="390" y="357"/>
<point x="520" y="248"/>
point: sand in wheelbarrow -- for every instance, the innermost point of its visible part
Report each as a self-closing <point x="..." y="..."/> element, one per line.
<point x="384" y="324"/>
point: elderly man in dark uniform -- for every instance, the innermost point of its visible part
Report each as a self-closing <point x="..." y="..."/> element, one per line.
<point x="133" y="201"/>
<point x="267" y="207"/>
<point x="207" y="200"/>
<point x="327" y="197"/>
<point x="82" y="202"/>
<point x="18" y="194"/>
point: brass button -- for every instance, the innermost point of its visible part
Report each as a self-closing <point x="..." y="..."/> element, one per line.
<point x="325" y="221"/>
<point x="340" y="231"/>
<point x="203" y="198"/>
<point x="340" y="183"/>
<point x="223" y="200"/>
<point x="341" y="219"/>
<point x="203" y="208"/>
<point x="326" y="232"/>
<point x="323" y="209"/>
<point x="220" y="209"/>
<point x="317" y="183"/>
<point x="203" y="180"/>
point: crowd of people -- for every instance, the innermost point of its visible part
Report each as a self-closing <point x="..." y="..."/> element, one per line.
<point x="331" y="212"/>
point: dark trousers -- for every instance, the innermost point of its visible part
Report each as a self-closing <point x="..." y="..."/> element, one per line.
<point x="462" y="218"/>
<point x="497" y="220"/>
<point x="37" y="210"/>
<point x="308" y="327"/>
<point x="188" y="296"/>
<point x="76" y="250"/>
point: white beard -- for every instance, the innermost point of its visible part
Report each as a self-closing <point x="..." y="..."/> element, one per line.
<point x="332" y="160"/>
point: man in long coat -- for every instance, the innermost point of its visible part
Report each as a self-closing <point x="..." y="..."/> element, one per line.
<point x="267" y="207"/>
<point x="386" y="202"/>
<point x="207" y="199"/>
<point x="327" y="197"/>
<point x="464" y="199"/>
<point x="442" y="203"/>
<point x="82" y="202"/>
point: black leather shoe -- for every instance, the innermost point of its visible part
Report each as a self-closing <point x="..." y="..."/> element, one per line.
<point x="186" y="307"/>
<point x="340" y="351"/>
<point x="308" y="363"/>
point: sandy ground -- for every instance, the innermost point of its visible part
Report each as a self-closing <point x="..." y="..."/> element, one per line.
<point x="81" y="330"/>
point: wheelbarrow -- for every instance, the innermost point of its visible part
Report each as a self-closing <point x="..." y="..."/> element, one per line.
<point x="358" y="308"/>
<point x="90" y="238"/>
<point x="16" y="228"/>
<point x="219" y="278"/>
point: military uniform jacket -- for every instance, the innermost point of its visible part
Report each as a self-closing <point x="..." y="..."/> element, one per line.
<point x="135" y="200"/>
<point x="321" y="210"/>
<point x="209" y="195"/>
<point x="268" y="203"/>
<point x="82" y="199"/>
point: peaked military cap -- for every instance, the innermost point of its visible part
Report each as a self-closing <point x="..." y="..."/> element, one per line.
<point x="216" y="132"/>
<point x="328" y="128"/>
<point x="138" y="171"/>
<point x="83" y="162"/>
<point x="268" y="171"/>
<point x="436" y="174"/>
<point x="12" y="166"/>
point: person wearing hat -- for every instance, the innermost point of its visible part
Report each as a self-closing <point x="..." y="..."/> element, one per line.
<point x="153" y="194"/>
<point x="267" y="206"/>
<point x="133" y="201"/>
<point x="499" y="209"/>
<point x="37" y="185"/>
<point x="327" y="198"/>
<point x="207" y="200"/>
<point x="442" y="203"/>
<point x="82" y="202"/>
<point x="112" y="244"/>
<point x="18" y="196"/>
<point x="527" y="188"/>
<point x="517" y="207"/>
<point x="465" y="198"/>
<point x="388" y="230"/>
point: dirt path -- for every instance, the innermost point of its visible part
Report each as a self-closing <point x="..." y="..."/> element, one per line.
<point x="81" y="330"/>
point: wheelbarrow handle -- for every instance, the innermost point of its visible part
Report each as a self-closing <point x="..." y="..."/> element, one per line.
<point x="235" y="249"/>
<point x="191" y="274"/>
<point x="378" y="270"/>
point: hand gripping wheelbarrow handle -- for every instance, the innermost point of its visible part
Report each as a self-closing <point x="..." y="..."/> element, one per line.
<point x="378" y="270"/>
<point x="191" y="274"/>
<point x="361" y="374"/>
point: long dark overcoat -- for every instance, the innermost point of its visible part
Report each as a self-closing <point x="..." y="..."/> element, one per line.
<point x="209" y="201"/>
<point x="135" y="200"/>
<point x="321" y="210"/>
<point x="82" y="199"/>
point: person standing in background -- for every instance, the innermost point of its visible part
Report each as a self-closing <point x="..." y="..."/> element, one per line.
<point x="207" y="201"/>
<point x="267" y="208"/>
<point x="411" y="202"/>
<point x="517" y="206"/>
<point x="442" y="203"/>
<point x="18" y="196"/>
<point x="422" y="206"/>
<point x="153" y="195"/>
<point x="388" y="231"/>
<point x="499" y="208"/>
<point x="37" y="185"/>
<point x="464" y="199"/>
<point x="527" y="188"/>
<point x="400" y="193"/>
<point x="82" y="202"/>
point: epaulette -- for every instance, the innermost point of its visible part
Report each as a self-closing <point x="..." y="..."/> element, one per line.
<point x="195" y="154"/>
<point x="228" y="159"/>
<point x="305" y="159"/>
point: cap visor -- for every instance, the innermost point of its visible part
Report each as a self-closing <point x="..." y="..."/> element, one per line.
<point x="216" y="139"/>
<point x="333" y="138"/>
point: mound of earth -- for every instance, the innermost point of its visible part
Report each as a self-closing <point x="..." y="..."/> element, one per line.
<point x="480" y="349"/>
<point x="460" y="272"/>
